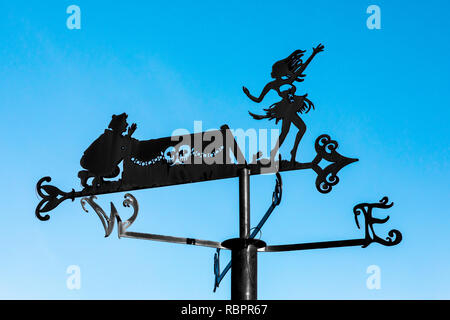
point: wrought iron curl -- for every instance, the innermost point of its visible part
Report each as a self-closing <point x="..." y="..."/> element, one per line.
<point x="325" y="146"/>
<point x="326" y="149"/>
<point x="108" y="222"/>
<point x="394" y="236"/>
<point x="51" y="197"/>
<point x="130" y="201"/>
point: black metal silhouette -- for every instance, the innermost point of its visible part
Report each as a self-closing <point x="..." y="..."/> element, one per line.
<point x="103" y="156"/>
<point x="51" y="197"/>
<point x="130" y="201"/>
<point x="200" y="156"/>
<point x="178" y="160"/>
<point x="394" y="238"/>
<point x="153" y="158"/>
<point x="147" y="164"/>
<point x="366" y="210"/>
<point x="208" y="156"/>
<point x="286" y="72"/>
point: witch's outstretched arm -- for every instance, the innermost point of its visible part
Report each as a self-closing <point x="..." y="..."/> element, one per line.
<point x="266" y="89"/>
<point x="316" y="50"/>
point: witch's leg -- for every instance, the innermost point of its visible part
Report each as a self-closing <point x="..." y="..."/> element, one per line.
<point x="285" y="125"/>
<point x="298" y="122"/>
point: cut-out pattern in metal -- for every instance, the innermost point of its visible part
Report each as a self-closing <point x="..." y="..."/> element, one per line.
<point x="154" y="163"/>
<point x="211" y="155"/>
<point x="326" y="150"/>
<point x="366" y="209"/>
<point x="176" y="160"/>
<point x="202" y="156"/>
<point x="395" y="236"/>
<point x="51" y="197"/>
<point x="285" y="72"/>
<point x="108" y="222"/>
<point x="130" y="201"/>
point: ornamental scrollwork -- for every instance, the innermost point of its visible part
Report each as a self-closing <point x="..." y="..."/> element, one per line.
<point x="51" y="197"/>
<point x="108" y="222"/>
<point x="394" y="236"/>
<point x="326" y="150"/>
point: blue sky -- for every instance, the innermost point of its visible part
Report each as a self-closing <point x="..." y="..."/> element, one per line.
<point x="383" y="94"/>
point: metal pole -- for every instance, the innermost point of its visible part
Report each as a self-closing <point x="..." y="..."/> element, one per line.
<point x="243" y="255"/>
<point x="243" y="249"/>
<point x="244" y="203"/>
<point x="244" y="270"/>
<point x="243" y="258"/>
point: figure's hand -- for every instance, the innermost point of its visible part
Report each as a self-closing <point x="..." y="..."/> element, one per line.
<point x="246" y="91"/>
<point x="132" y="129"/>
<point x="319" y="48"/>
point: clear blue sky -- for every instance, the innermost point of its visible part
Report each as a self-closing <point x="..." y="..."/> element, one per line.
<point x="383" y="94"/>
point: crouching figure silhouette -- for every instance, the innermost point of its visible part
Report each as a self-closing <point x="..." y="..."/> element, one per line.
<point x="102" y="157"/>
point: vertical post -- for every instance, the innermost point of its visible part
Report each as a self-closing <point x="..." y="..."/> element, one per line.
<point x="244" y="270"/>
<point x="243" y="249"/>
<point x="244" y="203"/>
<point x="244" y="254"/>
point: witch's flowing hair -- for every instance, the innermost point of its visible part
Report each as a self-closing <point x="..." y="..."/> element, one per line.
<point x="289" y="66"/>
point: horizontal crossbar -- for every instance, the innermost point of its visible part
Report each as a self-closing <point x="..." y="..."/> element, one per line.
<point x="314" y="245"/>
<point x="157" y="237"/>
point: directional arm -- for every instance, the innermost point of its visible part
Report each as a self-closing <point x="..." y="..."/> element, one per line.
<point x="366" y="209"/>
<point x="394" y="236"/>
<point x="130" y="201"/>
<point x="314" y="245"/>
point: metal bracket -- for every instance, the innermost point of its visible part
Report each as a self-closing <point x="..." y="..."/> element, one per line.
<point x="276" y="199"/>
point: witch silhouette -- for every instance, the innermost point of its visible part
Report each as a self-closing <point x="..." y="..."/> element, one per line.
<point x="285" y="72"/>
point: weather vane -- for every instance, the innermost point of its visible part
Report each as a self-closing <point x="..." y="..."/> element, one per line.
<point x="212" y="155"/>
